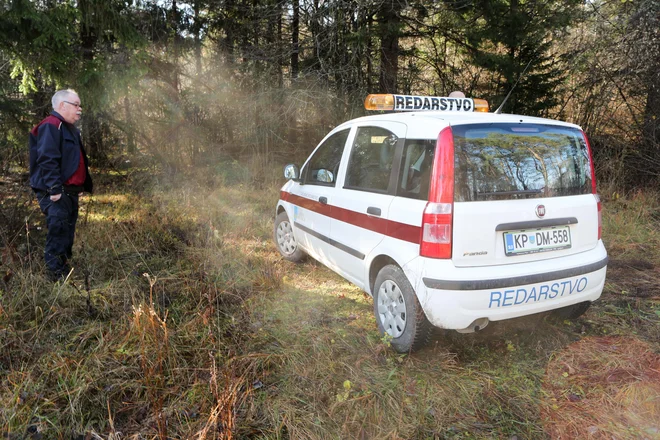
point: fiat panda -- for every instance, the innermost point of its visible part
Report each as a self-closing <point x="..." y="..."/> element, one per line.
<point x="448" y="215"/>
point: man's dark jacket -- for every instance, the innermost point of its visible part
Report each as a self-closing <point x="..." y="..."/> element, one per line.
<point x="55" y="148"/>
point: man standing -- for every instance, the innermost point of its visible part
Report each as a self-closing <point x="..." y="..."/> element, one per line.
<point x="58" y="174"/>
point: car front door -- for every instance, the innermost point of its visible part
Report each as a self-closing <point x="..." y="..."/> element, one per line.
<point x="367" y="188"/>
<point x="312" y="197"/>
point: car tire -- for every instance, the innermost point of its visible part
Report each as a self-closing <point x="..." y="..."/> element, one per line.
<point x="285" y="240"/>
<point x="571" y="312"/>
<point x="398" y="312"/>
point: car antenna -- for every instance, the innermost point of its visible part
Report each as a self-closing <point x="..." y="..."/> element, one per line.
<point x="499" y="109"/>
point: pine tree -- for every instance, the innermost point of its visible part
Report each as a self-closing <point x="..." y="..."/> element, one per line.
<point x="504" y="36"/>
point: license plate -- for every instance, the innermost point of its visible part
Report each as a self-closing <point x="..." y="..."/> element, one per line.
<point x="537" y="240"/>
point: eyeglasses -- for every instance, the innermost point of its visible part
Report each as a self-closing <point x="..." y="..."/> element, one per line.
<point x="73" y="103"/>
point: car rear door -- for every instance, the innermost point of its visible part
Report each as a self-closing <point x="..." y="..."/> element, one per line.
<point x="523" y="193"/>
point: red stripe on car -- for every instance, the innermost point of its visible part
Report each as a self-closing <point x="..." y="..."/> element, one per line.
<point x="401" y="231"/>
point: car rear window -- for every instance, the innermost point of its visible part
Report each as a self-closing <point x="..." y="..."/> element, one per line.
<point x="514" y="161"/>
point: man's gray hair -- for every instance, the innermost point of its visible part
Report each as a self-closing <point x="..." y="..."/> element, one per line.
<point x="62" y="95"/>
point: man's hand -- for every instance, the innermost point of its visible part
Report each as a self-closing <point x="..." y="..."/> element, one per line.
<point x="55" y="198"/>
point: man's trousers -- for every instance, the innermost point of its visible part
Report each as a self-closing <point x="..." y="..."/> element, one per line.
<point x="61" y="218"/>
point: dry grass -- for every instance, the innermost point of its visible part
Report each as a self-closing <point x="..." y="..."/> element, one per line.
<point x="137" y="343"/>
<point x="601" y="388"/>
<point x="631" y="226"/>
<point x="338" y="379"/>
<point x="222" y="339"/>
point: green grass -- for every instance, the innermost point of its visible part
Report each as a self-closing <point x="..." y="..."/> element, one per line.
<point x="182" y="321"/>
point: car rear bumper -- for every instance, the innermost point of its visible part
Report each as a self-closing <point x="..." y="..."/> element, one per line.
<point x="454" y="298"/>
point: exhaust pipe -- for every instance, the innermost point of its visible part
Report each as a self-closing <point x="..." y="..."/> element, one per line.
<point x="477" y="324"/>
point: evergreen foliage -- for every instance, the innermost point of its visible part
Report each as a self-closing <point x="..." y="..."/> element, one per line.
<point x="505" y="36"/>
<point x="185" y="82"/>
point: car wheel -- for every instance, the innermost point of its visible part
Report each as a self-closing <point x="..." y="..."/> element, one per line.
<point x="398" y="312"/>
<point x="571" y="312"/>
<point x="285" y="240"/>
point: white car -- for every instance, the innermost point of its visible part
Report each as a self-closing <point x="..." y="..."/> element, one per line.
<point x="449" y="218"/>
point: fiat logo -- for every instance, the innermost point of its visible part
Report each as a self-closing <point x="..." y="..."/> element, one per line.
<point x="540" y="211"/>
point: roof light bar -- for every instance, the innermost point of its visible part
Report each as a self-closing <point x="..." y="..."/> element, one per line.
<point x="481" y="105"/>
<point x="379" y="102"/>
<point x="424" y="103"/>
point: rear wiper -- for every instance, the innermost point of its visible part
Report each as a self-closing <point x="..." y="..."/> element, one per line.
<point x="511" y="193"/>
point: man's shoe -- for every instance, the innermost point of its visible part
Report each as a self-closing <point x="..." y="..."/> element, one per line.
<point x="58" y="275"/>
<point x="54" y="276"/>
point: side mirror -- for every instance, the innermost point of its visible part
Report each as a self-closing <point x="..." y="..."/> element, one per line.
<point x="292" y="172"/>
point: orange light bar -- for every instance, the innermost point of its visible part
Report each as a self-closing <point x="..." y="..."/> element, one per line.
<point x="424" y="103"/>
<point x="379" y="102"/>
<point x="481" y="105"/>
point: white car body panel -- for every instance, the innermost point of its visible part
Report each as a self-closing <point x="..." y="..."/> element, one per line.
<point x="480" y="280"/>
<point x="457" y="309"/>
<point x="477" y="243"/>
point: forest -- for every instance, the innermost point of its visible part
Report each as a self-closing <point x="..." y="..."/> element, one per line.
<point x="180" y="320"/>
<point x="187" y="83"/>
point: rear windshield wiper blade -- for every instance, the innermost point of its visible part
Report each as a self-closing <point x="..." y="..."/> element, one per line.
<point x="510" y="193"/>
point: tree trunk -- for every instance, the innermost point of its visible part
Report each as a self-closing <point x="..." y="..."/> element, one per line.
<point x="197" y="30"/>
<point x="130" y="137"/>
<point x="279" y="46"/>
<point x="370" y="69"/>
<point x="651" y="129"/>
<point x="315" y="28"/>
<point x="647" y="22"/>
<point x="390" y="31"/>
<point x="91" y="124"/>
<point x="295" y="38"/>
<point x="230" y="34"/>
<point x="513" y="63"/>
<point x="174" y="20"/>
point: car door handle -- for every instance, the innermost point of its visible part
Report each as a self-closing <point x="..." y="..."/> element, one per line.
<point x="372" y="210"/>
<point x="323" y="200"/>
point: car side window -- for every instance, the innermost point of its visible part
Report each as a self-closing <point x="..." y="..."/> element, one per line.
<point x="323" y="166"/>
<point x="416" y="169"/>
<point x="372" y="155"/>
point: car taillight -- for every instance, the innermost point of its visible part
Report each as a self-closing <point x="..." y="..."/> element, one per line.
<point x="436" y="234"/>
<point x="593" y="185"/>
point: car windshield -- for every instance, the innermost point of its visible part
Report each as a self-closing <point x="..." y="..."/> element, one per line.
<point x="514" y="161"/>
